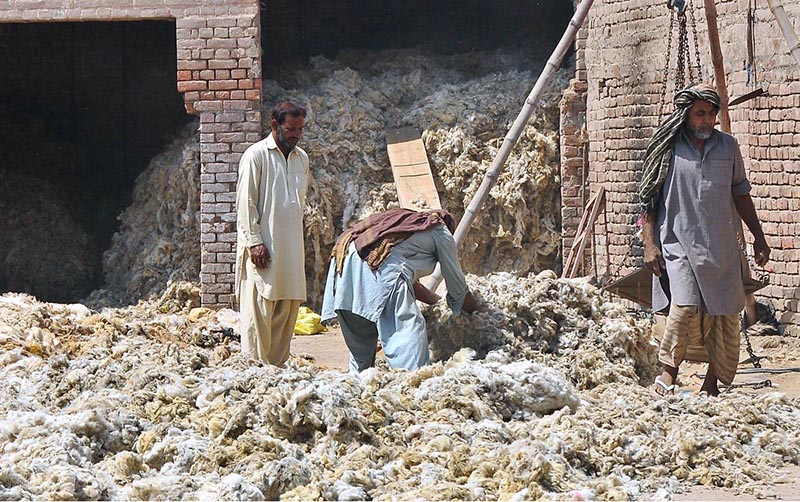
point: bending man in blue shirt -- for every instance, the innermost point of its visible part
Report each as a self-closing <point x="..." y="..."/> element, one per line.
<point x="373" y="284"/>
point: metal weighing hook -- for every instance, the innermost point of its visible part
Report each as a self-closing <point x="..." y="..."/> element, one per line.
<point x="678" y="5"/>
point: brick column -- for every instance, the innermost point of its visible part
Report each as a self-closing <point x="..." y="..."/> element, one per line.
<point x="219" y="73"/>
<point x="574" y="182"/>
<point x="574" y="143"/>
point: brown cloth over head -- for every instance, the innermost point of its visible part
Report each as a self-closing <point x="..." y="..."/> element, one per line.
<point x="376" y="235"/>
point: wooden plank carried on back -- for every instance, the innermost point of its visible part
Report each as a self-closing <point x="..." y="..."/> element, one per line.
<point x="412" y="172"/>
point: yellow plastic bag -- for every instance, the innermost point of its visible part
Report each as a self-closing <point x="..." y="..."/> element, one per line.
<point x="308" y="323"/>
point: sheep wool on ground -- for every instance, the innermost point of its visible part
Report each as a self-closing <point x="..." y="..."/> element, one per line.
<point x="154" y="401"/>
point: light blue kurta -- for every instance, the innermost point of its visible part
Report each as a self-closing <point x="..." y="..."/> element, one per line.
<point x="383" y="299"/>
<point x="696" y="223"/>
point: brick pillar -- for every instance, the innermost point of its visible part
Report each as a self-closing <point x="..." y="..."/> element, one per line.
<point x="574" y="182"/>
<point x="219" y="72"/>
<point x="574" y="147"/>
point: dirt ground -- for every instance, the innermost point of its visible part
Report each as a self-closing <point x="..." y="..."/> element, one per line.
<point x="329" y="350"/>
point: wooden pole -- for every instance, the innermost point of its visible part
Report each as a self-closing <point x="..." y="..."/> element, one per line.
<point x="750" y="316"/>
<point x="490" y="178"/>
<point x="719" y="66"/>
<point x="786" y="28"/>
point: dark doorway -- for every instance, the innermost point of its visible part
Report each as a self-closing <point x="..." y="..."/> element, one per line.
<point x="301" y="29"/>
<point x="83" y="109"/>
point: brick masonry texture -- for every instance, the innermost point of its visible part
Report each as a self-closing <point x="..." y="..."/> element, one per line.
<point x="219" y="74"/>
<point x="624" y="59"/>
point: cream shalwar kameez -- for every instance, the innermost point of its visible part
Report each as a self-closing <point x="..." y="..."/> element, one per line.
<point x="270" y="197"/>
<point x="697" y="235"/>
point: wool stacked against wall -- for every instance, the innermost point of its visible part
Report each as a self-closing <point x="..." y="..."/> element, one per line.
<point x="462" y="105"/>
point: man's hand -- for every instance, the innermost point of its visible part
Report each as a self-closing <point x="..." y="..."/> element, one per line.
<point x="762" y="251"/>
<point x="653" y="259"/>
<point x="260" y="257"/>
<point x="470" y="305"/>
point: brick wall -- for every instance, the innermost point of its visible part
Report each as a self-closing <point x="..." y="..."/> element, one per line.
<point x="625" y="58"/>
<point x="219" y="74"/>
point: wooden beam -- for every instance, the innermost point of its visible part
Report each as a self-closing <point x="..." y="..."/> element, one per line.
<point x="585" y="230"/>
<point x="750" y="315"/>
<point x="719" y="66"/>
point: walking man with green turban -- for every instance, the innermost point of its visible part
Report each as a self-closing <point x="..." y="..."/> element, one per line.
<point x="693" y="185"/>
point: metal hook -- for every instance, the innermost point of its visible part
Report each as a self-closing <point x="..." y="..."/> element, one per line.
<point x="678" y="5"/>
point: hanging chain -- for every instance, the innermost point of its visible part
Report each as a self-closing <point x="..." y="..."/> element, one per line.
<point x="699" y="75"/>
<point x="666" y="67"/>
<point x="683" y="52"/>
<point x="683" y="60"/>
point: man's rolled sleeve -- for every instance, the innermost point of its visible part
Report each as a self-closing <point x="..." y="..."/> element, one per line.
<point x="454" y="279"/>
<point x="739" y="184"/>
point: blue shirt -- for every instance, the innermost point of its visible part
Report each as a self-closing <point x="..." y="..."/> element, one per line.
<point x="364" y="291"/>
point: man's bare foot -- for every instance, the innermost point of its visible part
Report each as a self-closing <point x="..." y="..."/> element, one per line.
<point x="710" y="382"/>
<point x="710" y="389"/>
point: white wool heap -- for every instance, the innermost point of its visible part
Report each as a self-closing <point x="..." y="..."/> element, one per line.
<point x="158" y="240"/>
<point x="559" y="322"/>
<point x="155" y="402"/>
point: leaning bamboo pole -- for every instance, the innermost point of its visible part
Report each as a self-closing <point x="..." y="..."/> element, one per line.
<point x="786" y="28"/>
<point x="490" y="178"/>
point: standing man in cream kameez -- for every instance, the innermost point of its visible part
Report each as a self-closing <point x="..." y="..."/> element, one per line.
<point x="270" y="257"/>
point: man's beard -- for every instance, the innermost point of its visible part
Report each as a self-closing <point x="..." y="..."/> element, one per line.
<point x="700" y="133"/>
<point x="285" y="142"/>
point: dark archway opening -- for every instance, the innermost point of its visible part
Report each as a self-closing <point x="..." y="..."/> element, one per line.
<point x="301" y="29"/>
<point x="83" y="109"/>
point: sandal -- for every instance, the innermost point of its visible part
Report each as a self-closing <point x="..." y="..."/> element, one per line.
<point x="663" y="389"/>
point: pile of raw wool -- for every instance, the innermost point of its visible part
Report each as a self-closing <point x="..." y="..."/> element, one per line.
<point x="463" y="106"/>
<point x="565" y="323"/>
<point x="158" y="241"/>
<point x="44" y="249"/>
<point x="155" y="402"/>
